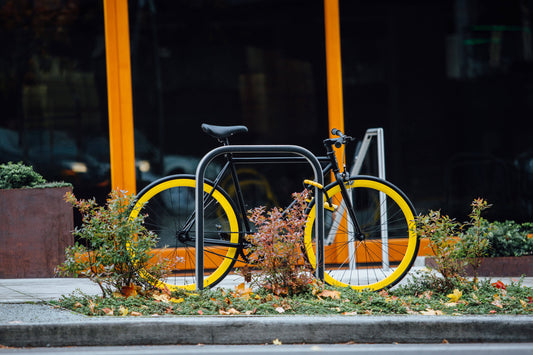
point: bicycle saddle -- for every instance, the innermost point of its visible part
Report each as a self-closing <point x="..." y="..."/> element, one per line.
<point x="222" y="132"/>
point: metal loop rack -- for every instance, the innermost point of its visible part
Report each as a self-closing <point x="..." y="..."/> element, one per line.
<point x="255" y="149"/>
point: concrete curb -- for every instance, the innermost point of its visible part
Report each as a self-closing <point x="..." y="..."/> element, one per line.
<point x="261" y="330"/>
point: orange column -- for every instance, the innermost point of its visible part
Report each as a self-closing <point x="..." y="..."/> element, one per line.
<point x="333" y="66"/>
<point x="119" y="95"/>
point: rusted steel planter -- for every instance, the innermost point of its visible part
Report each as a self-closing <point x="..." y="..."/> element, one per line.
<point x="500" y="266"/>
<point x="35" y="228"/>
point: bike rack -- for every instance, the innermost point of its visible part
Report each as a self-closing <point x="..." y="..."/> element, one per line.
<point x="358" y="160"/>
<point x="363" y="149"/>
<point x="264" y="149"/>
<point x="356" y="168"/>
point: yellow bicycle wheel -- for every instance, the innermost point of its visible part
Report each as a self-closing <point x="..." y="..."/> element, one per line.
<point x="169" y="209"/>
<point x="388" y="246"/>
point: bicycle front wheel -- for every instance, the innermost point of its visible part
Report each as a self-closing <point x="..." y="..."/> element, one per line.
<point x="384" y="253"/>
<point x="169" y="209"/>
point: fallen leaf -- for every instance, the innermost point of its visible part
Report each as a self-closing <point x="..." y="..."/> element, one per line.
<point x="200" y="312"/>
<point x="241" y="291"/>
<point x="161" y="297"/>
<point x="77" y="305"/>
<point x="330" y="294"/>
<point x="523" y="303"/>
<point x="177" y="300"/>
<point x="136" y="314"/>
<point x="455" y="296"/>
<point x="229" y="312"/>
<point x="427" y="295"/>
<point x="280" y="310"/>
<point x="128" y="291"/>
<point x="497" y="303"/>
<point x="123" y="310"/>
<point x="107" y="311"/>
<point x="253" y="311"/>
<point x="92" y="305"/>
<point x="431" y="312"/>
<point x="276" y="342"/>
<point x="350" y="313"/>
<point x="499" y="284"/>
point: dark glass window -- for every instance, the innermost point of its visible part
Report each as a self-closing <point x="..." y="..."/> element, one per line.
<point x="257" y="63"/>
<point x="53" y="91"/>
<point x="450" y="82"/>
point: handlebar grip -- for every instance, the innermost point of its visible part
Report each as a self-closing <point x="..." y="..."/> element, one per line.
<point x="336" y="132"/>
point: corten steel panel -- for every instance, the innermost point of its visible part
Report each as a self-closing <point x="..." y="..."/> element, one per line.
<point x="35" y="228"/>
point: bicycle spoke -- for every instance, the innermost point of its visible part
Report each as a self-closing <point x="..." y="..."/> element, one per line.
<point x="169" y="208"/>
<point x="376" y="261"/>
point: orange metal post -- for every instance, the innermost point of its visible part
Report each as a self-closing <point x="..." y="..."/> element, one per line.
<point x="119" y="95"/>
<point x="333" y="66"/>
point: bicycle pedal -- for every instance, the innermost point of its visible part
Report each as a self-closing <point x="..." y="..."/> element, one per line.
<point x="328" y="206"/>
<point x="313" y="183"/>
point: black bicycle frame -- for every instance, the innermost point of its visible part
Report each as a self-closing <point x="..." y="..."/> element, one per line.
<point x="330" y="164"/>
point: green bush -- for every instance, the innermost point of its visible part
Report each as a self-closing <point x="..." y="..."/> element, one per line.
<point x="117" y="252"/>
<point x="17" y="176"/>
<point x="455" y="245"/>
<point x="509" y="238"/>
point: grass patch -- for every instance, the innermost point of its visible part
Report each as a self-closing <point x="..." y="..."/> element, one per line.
<point x="424" y="295"/>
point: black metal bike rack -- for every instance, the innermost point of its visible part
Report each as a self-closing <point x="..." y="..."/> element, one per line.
<point x="263" y="149"/>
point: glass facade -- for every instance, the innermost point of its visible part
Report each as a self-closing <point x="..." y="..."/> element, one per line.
<point x="449" y="81"/>
<point x="53" y="91"/>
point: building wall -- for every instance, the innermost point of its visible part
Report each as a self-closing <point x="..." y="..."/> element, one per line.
<point x="449" y="81"/>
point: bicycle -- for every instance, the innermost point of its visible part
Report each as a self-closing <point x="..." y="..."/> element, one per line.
<point x="370" y="238"/>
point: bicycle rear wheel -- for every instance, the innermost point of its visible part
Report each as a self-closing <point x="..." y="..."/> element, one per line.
<point x="389" y="245"/>
<point x="169" y="207"/>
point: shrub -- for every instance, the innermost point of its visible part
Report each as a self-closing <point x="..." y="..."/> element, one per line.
<point x="455" y="245"/>
<point x="509" y="238"/>
<point x="473" y="243"/>
<point x="18" y="175"/>
<point x="115" y="254"/>
<point x="440" y="231"/>
<point x="277" y="248"/>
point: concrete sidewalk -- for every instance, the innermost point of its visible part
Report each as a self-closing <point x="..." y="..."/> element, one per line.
<point x="25" y="320"/>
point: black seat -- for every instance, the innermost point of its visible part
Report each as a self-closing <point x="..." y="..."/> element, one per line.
<point x="223" y="132"/>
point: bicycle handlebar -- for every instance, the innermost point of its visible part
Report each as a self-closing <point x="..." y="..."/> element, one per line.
<point x="336" y="132"/>
<point x="338" y="142"/>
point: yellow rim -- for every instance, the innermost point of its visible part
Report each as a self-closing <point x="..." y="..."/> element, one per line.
<point x="232" y="219"/>
<point x="412" y="239"/>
